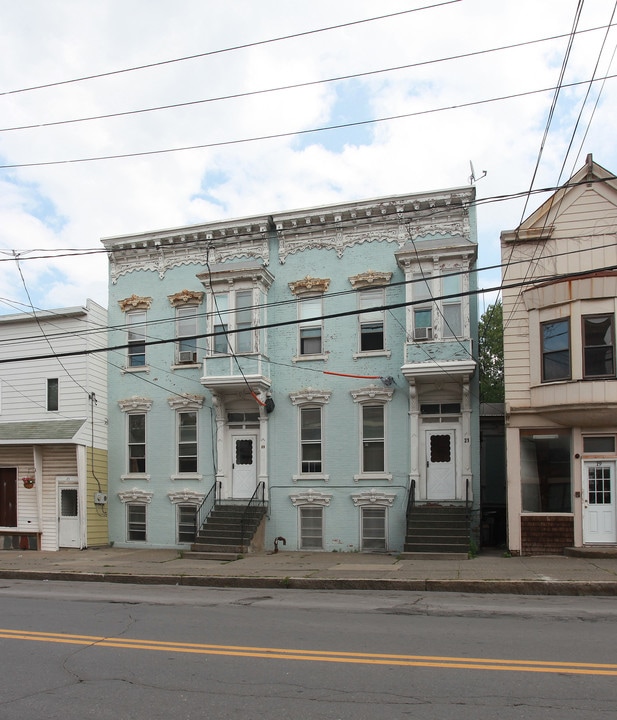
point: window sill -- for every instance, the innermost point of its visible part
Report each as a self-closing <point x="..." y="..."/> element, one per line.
<point x="183" y="366"/>
<point x="372" y="354"/>
<point x="303" y="358"/>
<point x="312" y="477"/>
<point x="186" y="476"/>
<point x="138" y="369"/>
<point x="373" y="476"/>
<point x="135" y="476"/>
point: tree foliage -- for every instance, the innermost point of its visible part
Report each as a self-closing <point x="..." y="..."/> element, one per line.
<point x="491" y="354"/>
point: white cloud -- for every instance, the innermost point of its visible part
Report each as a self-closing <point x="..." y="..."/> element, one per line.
<point x="74" y="205"/>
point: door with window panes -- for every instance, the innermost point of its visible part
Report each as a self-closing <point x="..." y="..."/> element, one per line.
<point x="244" y="450"/>
<point x="599" y="523"/>
<point x="440" y="464"/>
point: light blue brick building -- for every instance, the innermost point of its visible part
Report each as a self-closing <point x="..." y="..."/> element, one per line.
<point x="321" y="362"/>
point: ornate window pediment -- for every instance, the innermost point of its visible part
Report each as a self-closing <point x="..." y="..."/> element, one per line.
<point x="185" y="496"/>
<point x="185" y="297"/>
<point x="135" y="495"/>
<point x="373" y="497"/>
<point x="135" y="404"/>
<point x="186" y="402"/>
<point x="371" y="278"/>
<point x="372" y="394"/>
<point x="135" y="302"/>
<point x="310" y="285"/>
<point x="310" y="395"/>
<point x="311" y="497"/>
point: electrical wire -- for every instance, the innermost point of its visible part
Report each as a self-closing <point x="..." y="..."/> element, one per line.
<point x="234" y="48"/>
<point x="293" y="133"/>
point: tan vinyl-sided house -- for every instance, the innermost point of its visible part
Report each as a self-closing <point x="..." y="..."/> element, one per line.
<point x="559" y="306"/>
<point x="53" y="429"/>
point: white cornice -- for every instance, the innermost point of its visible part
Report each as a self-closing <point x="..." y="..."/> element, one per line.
<point x="372" y="393"/>
<point x="310" y="395"/>
<point x="188" y="402"/>
<point x="373" y="497"/>
<point x="311" y="497"/>
<point x="135" y="404"/>
<point x="135" y="495"/>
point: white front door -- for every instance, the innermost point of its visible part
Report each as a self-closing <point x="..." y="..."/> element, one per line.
<point x="68" y="516"/>
<point x="440" y="465"/>
<point x="599" y="502"/>
<point x="243" y="465"/>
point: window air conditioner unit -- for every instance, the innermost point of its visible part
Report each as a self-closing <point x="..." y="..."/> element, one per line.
<point x="423" y="333"/>
<point x="186" y="356"/>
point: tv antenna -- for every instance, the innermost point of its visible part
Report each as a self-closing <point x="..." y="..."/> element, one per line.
<point x="472" y="177"/>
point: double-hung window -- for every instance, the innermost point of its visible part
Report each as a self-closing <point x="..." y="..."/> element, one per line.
<point x="555" y="337"/>
<point x="187" y="523"/>
<point x="136" y="338"/>
<point x="310" y="440"/>
<point x="452" y="306"/>
<point x="310" y="325"/>
<point x="371" y="323"/>
<point x="137" y="442"/>
<point x="311" y="528"/>
<point x="233" y="322"/>
<point x="52" y="394"/>
<point x="598" y="346"/>
<point x="422" y="306"/>
<point x="373" y="438"/>
<point x="187" y="442"/>
<point x="136" y="522"/>
<point x="186" y="330"/>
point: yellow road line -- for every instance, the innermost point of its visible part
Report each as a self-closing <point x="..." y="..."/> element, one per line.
<point x="428" y="661"/>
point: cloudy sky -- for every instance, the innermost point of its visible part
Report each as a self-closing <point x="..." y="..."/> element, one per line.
<point x="445" y="71"/>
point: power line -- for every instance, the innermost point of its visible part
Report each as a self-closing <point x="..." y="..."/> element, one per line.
<point x="293" y="133"/>
<point x="328" y="316"/>
<point x="295" y="86"/>
<point x="225" y="50"/>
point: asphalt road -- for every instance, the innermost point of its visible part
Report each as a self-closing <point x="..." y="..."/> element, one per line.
<point x="73" y="650"/>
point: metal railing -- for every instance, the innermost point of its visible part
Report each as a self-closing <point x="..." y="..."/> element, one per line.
<point x="207" y="505"/>
<point x="256" y="501"/>
<point x="411" y="498"/>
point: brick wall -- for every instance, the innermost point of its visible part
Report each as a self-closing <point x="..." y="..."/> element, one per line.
<point x="546" y="534"/>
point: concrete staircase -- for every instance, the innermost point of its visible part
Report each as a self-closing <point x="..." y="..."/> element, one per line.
<point x="221" y="537"/>
<point x="440" y="530"/>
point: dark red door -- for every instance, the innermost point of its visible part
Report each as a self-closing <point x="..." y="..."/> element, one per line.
<point x="8" y="497"/>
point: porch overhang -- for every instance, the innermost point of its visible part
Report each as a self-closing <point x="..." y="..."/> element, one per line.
<point x="42" y="432"/>
<point x="572" y="415"/>
<point x="457" y="369"/>
<point x="236" y="383"/>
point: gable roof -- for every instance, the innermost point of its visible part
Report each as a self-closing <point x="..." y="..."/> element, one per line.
<point x="540" y="224"/>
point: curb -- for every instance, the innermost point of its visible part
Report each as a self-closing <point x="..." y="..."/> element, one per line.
<point x="502" y="587"/>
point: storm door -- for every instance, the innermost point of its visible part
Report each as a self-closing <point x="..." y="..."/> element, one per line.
<point x="68" y="516"/>
<point x="599" y="502"/>
<point x="440" y="465"/>
<point x="243" y="465"/>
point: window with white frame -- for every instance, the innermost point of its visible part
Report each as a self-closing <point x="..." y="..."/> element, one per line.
<point x="186" y="517"/>
<point x="233" y="322"/>
<point x="136" y="423"/>
<point x="373" y="402"/>
<point x="136" y="338"/>
<point x="310" y="325"/>
<point x="373" y="528"/>
<point x="311" y="527"/>
<point x="186" y="330"/>
<point x="52" y="394"/>
<point x="371" y="323"/>
<point x="136" y="516"/>
<point x="187" y="442"/>
<point x="422" y="306"/>
<point x="311" y="440"/>
<point x="451" y="307"/>
<point x="373" y="438"/>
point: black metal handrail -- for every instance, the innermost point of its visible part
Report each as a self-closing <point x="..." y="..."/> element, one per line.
<point x="207" y="505"/>
<point x="257" y="500"/>
<point x="411" y="498"/>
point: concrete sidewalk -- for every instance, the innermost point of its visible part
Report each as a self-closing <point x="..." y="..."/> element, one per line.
<point x="487" y="573"/>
